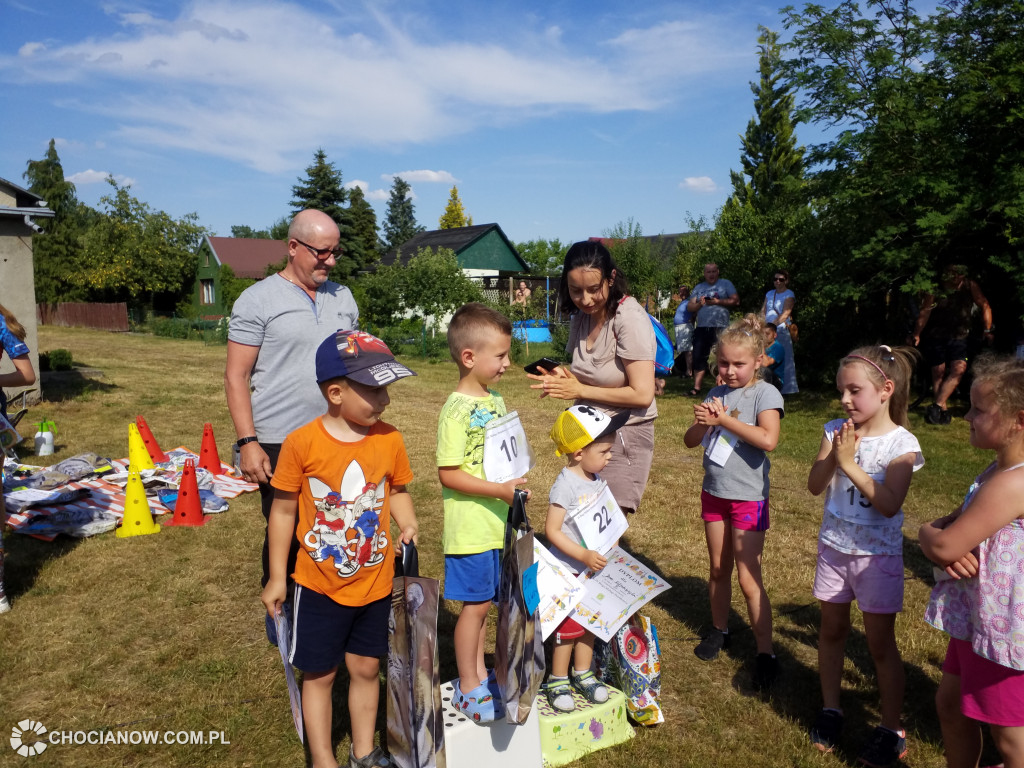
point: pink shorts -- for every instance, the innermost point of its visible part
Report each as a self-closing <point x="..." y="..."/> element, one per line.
<point x="989" y="692"/>
<point x="743" y="515"/>
<point x="874" y="581"/>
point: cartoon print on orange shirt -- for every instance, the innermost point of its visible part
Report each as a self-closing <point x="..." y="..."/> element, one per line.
<point x="347" y="522"/>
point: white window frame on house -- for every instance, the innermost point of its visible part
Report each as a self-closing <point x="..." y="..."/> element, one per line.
<point x="206" y="292"/>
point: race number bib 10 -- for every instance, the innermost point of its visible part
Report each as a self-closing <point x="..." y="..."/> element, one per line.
<point x="507" y="454"/>
<point x="600" y="522"/>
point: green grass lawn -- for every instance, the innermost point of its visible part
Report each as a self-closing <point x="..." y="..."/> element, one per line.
<point x="165" y="632"/>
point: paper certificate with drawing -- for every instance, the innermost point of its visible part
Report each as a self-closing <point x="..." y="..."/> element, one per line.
<point x="616" y="592"/>
<point x="559" y="589"/>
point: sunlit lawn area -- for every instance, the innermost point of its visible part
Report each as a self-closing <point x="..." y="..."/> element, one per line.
<point x="165" y="632"/>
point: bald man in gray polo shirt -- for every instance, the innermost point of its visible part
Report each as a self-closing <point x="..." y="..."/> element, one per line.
<point x="275" y="328"/>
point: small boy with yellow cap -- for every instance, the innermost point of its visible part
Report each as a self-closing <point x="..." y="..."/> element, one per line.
<point x="584" y="435"/>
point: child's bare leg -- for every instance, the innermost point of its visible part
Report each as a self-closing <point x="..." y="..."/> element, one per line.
<point x="560" y="658"/>
<point x="363" y="694"/>
<point x="835" y="628"/>
<point x="316" y="714"/>
<point x="720" y="575"/>
<point x="583" y="654"/>
<point x="1010" y="743"/>
<point x="880" y="631"/>
<point x="961" y="736"/>
<point x="469" y="644"/>
<point x="747" y="548"/>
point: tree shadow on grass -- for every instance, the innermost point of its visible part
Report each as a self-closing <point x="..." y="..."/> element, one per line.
<point x="61" y="386"/>
<point x="797" y="694"/>
<point x="26" y="557"/>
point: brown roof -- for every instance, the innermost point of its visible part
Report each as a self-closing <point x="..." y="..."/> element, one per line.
<point x="248" y="256"/>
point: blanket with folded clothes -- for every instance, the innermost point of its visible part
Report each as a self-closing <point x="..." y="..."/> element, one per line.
<point x="103" y="507"/>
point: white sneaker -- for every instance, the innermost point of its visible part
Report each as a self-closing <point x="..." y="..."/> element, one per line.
<point x="5" y="604"/>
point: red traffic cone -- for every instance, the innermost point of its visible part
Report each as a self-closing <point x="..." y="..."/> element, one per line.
<point x="150" y="442"/>
<point x="188" y="510"/>
<point x="209" y="459"/>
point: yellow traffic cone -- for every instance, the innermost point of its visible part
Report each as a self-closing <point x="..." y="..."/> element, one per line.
<point x="138" y="520"/>
<point x="138" y="457"/>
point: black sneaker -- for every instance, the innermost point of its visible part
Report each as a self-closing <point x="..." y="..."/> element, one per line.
<point x="766" y="669"/>
<point x="885" y="749"/>
<point x="711" y="643"/>
<point x="946" y="418"/>
<point x="826" y="729"/>
<point x="933" y="415"/>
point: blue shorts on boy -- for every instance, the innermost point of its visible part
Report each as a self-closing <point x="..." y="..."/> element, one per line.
<point x="472" y="578"/>
<point x="472" y="524"/>
<point x="323" y="631"/>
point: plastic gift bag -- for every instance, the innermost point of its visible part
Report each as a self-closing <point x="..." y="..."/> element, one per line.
<point x="415" y="726"/>
<point x="632" y="663"/>
<point x="519" y="646"/>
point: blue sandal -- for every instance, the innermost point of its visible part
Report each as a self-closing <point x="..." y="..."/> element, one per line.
<point x="592" y="689"/>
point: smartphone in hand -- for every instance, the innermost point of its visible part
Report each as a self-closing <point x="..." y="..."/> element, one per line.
<point x="542" y="366"/>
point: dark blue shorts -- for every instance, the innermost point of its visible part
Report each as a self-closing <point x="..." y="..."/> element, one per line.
<point x="472" y="578"/>
<point x="323" y="631"/>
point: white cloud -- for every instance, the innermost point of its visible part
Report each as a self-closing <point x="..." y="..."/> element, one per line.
<point x="30" y="49"/>
<point x="369" y="194"/>
<point x="95" y="177"/>
<point x="425" y="177"/>
<point x="703" y="184"/>
<point x="261" y="82"/>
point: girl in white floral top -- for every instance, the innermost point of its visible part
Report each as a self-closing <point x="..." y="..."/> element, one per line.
<point x="979" y="597"/>
<point x="864" y="467"/>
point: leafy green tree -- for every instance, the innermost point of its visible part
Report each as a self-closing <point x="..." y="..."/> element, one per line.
<point x="400" y="221"/>
<point x="925" y="165"/>
<point x="57" y="252"/>
<point x="279" y="229"/>
<point x="454" y="215"/>
<point x="378" y="294"/>
<point x="364" y="225"/>
<point x="435" y="285"/>
<point x="231" y="287"/>
<point x="322" y="189"/>
<point x="134" y="254"/>
<point x="633" y="255"/>
<point x="543" y="257"/>
<point x="244" y="231"/>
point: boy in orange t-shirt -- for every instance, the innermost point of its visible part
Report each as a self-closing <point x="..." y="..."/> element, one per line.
<point x="342" y="476"/>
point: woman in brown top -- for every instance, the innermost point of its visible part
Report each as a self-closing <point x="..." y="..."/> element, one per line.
<point x="612" y="344"/>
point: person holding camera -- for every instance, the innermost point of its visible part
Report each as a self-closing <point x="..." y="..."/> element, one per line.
<point x="711" y="301"/>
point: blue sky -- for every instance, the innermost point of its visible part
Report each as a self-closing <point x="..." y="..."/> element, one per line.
<point x="556" y="119"/>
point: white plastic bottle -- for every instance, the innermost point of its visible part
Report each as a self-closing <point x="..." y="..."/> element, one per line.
<point x="44" y="440"/>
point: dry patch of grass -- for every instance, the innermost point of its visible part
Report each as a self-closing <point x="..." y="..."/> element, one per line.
<point x="165" y="632"/>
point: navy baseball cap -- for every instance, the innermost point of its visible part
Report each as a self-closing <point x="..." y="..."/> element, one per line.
<point x="358" y="356"/>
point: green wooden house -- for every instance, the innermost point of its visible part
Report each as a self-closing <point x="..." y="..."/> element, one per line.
<point x="247" y="257"/>
<point x="482" y="250"/>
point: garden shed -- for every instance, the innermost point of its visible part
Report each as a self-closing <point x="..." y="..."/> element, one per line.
<point x="22" y="215"/>
<point x="482" y="250"/>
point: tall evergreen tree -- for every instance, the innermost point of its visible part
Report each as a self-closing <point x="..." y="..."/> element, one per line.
<point x="454" y="214"/>
<point x="400" y="222"/>
<point x="322" y="189"/>
<point x="773" y="164"/>
<point x="762" y="225"/>
<point x="364" y="224"/>
<point x="57" y="252"/>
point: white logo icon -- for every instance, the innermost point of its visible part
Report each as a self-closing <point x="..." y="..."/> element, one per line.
<point x="27" y="727"/>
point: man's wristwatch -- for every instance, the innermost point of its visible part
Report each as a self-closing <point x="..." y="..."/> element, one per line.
<point x="250" y="439"/>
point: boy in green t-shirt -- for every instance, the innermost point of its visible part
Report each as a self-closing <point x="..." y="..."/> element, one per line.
<point x="479" y="339"/>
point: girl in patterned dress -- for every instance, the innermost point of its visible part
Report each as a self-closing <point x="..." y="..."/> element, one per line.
<point x="979" y="595"/>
